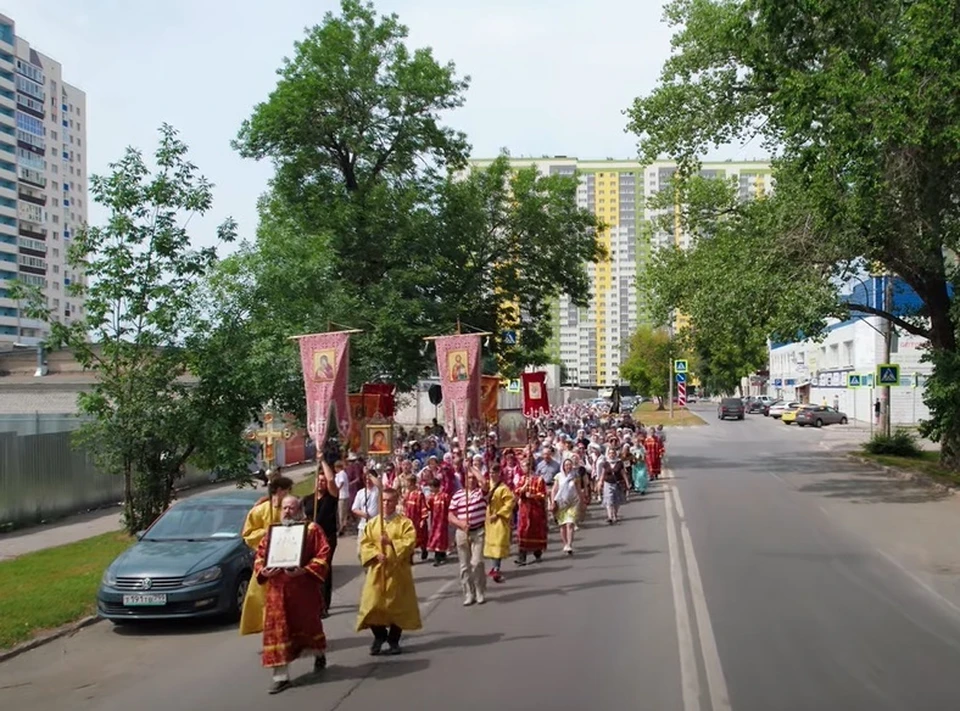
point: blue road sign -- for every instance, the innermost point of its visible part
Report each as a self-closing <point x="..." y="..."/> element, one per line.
<point x="509" y="338"/>
<point x="681" y="377"/>
<point x="853" y="380"/>
<point x="777" y="382"/>
<point x="888" y="374"/>
<point x="680" y="366"/>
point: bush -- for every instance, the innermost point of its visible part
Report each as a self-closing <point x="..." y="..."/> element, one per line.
<point x="900" y="444"/>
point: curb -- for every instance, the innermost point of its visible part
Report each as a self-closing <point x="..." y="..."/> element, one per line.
<point x="904" y="474"/>
<point x="43" y="639"/>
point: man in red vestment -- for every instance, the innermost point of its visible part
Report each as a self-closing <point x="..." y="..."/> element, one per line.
<point x="415" y="508"/>
<point x="292" y="620"/>
<point x="654" y="455"/>
<point x="531" y="493"/>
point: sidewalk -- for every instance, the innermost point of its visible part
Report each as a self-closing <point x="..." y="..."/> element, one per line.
<point x="95" y="523"/>
<point x="854" y="434"/>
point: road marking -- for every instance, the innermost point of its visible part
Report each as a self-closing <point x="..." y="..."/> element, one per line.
<point x="919" y="581"/>
<point x="689" y="678"/>
<point x="716" y="682"/>
<point x="778" y="477"/>
<point x="434" y="600"/>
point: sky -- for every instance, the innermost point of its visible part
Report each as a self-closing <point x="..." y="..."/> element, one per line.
<point x="548" y="77"/>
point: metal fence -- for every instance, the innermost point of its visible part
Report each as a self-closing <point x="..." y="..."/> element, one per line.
<point x="44" y="475"/>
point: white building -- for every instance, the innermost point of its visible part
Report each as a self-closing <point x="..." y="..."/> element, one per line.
<point x="43" y="182"/>
<point x="815" y="372"/>
<point x="591" y="342"/>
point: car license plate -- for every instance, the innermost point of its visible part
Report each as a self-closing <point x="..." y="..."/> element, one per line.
<point x="143" y="600"/>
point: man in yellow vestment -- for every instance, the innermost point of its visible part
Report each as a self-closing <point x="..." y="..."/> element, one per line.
<point x="259" y="520"/>
<point x="496" y="535"/>
<point x="388" y="604"/>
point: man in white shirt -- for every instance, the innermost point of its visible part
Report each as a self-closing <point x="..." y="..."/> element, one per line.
<point x="366" y="504"/>
<point x="342" y="482"/>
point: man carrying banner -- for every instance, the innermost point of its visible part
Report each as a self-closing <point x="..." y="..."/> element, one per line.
<point x="531" y="493"/>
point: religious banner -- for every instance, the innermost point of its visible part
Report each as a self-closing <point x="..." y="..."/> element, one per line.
<point x="535" y="400"/>
<point x="325" y="358"/>
<point x="489" y="398"/>
<point x="358" y="419"/>
<point x="458" y="362"/>
<point x="383" y="397"/>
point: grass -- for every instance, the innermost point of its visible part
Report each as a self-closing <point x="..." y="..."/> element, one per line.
<point x="302" y="488"/>
<point x="928" y="464"/>
<point x="52" y="587"/>
<point x="648" y="414"/>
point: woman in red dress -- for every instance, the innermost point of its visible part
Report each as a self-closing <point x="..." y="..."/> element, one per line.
<point x="654" y="455"/>
<point x="531" y="493"/>
<point x="438" y="542"/>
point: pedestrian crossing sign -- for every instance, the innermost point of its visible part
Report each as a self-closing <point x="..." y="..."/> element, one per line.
<point x="888" y="374"/>
<point x="853" y="380"/>
<point x="679" y="366"/>
<point x="513" y="386"/>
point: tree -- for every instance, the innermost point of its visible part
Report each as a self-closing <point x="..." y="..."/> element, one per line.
<point x="649" y="364"/>
<point x="148" y="411"/>
<point x="860" y="110"/>
<point x="372" y="223"/>
<point x="353" y="129"/>
<point x="734" y="290"/>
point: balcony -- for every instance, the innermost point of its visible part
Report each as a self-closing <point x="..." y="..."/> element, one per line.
<point x="31" y="176"/>
<point x="34" y="199"/>
<point x="25" y="231"/>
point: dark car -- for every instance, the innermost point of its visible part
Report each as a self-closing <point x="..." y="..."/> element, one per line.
<point x="730" y="407"/>
<point x="191" y="562"/>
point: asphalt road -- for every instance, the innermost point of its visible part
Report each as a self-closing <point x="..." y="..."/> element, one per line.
<point x="766" y="574"/>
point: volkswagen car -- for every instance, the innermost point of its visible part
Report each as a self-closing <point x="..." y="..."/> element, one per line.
<point x="191" y="562"/>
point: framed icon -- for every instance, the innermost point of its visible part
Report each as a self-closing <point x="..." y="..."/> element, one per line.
<point x="324" y="370"/>
<point x="512" y="429"/>
<point x="458" y="369"/>
<point x="380" y="439"/>
<point x="285" y="545"/>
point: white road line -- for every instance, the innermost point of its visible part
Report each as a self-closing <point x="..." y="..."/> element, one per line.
<point x="716" y="682"/>
<point x="689" y="678"/>
<point x="919" y="581"/>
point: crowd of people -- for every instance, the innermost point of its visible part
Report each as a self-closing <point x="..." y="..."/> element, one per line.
<point x="431" y="500"/>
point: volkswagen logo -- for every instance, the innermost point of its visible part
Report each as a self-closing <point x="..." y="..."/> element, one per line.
<point x="146" y="583"/>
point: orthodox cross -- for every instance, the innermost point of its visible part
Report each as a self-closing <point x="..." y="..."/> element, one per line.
<point x="267" y="436"/>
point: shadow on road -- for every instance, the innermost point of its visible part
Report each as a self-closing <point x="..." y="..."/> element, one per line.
<point x="875" y="490"/>
<point x="154" y="628"/>
<point x="562" y="590"/>
<point x="382" y="669"/>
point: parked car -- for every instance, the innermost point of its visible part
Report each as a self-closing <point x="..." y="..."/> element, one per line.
<point x="730" y="407"/>
<point x="820" y="415"/>
<point x="778" y="408"/>
<point x="757" y="406"/>
<point x="191" y="562"/>
<point x="789" y="416"/>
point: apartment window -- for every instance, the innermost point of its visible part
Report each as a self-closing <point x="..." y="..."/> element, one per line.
<point x="55" y="202"/>
<point x="53" y="136"/>
<point x="79" y="142"/>
<point x="56" y="219"/>
<point x="56" y="185"/>
<point x="56" y="252"/>
<point x="56" y="268"/>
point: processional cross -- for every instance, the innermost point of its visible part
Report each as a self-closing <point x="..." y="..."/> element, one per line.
<point x="267" y="436"/>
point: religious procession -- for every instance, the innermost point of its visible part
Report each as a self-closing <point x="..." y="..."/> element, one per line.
<point x="486" y="493"/>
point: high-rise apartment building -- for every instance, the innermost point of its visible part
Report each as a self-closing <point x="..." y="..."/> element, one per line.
<point x="43" y="182"/>
<point x="591" y="342"/>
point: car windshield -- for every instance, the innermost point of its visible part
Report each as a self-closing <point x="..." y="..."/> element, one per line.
<point x="198" y="521"/>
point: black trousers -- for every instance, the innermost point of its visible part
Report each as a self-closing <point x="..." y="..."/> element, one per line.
<point x="328" y="581"/>
<point x="391" y="637"/>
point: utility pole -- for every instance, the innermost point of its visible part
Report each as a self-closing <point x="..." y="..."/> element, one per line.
<point x="887" y="348"/>
<point x="670" y="386"/>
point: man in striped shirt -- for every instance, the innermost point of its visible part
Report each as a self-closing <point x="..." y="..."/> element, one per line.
<point x="468" y="511"/>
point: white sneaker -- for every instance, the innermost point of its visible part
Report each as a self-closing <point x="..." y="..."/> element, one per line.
<point x="481" y="598"/>
<point x="468" y="601"/>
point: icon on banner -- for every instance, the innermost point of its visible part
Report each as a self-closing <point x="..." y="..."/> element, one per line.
<point x="679" y="366"/>
<point x="888" y="374"/>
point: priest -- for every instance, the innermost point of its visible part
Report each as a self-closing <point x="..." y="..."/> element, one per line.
<point x="388" y="604"/>
<point x="259" y="519"/>
<point x="294" y="600"/>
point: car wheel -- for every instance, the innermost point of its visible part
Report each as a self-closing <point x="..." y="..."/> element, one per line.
<point x="819" y="423"/>
<point x="239" y="593"/>
<point x="843" y="420"/>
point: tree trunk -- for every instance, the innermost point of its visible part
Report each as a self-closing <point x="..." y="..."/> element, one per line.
<point x="129" y="517"/>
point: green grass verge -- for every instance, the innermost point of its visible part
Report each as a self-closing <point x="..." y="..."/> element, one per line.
<point x="649" y="415"/>
<point x="928" y="464"/>
<point x="52" y="587"/>
<point x="302" y="488"/>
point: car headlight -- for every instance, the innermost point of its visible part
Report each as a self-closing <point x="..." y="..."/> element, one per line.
<point x="109" y="578"/>
<point x="204" y="576"/>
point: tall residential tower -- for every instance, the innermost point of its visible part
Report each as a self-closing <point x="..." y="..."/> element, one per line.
<point x="591" y="342"/>
<point x="43" y="183"/>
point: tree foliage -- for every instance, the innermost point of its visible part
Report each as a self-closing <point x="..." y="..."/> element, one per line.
<point x="649" y="363"/>
<point x="141" y="333"/>
<point x="860" y="110"/>
<point x="373" y="223"/>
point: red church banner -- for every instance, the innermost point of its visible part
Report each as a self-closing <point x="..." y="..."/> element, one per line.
<point x="383" y="395"/>
<point x="458" y="362"/>
<point x="325" y="358"/>
<point x="535" y="400"/>
<point x="490" y="397"/>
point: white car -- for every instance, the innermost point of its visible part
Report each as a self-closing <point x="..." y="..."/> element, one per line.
<point x="776" y="411"/>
